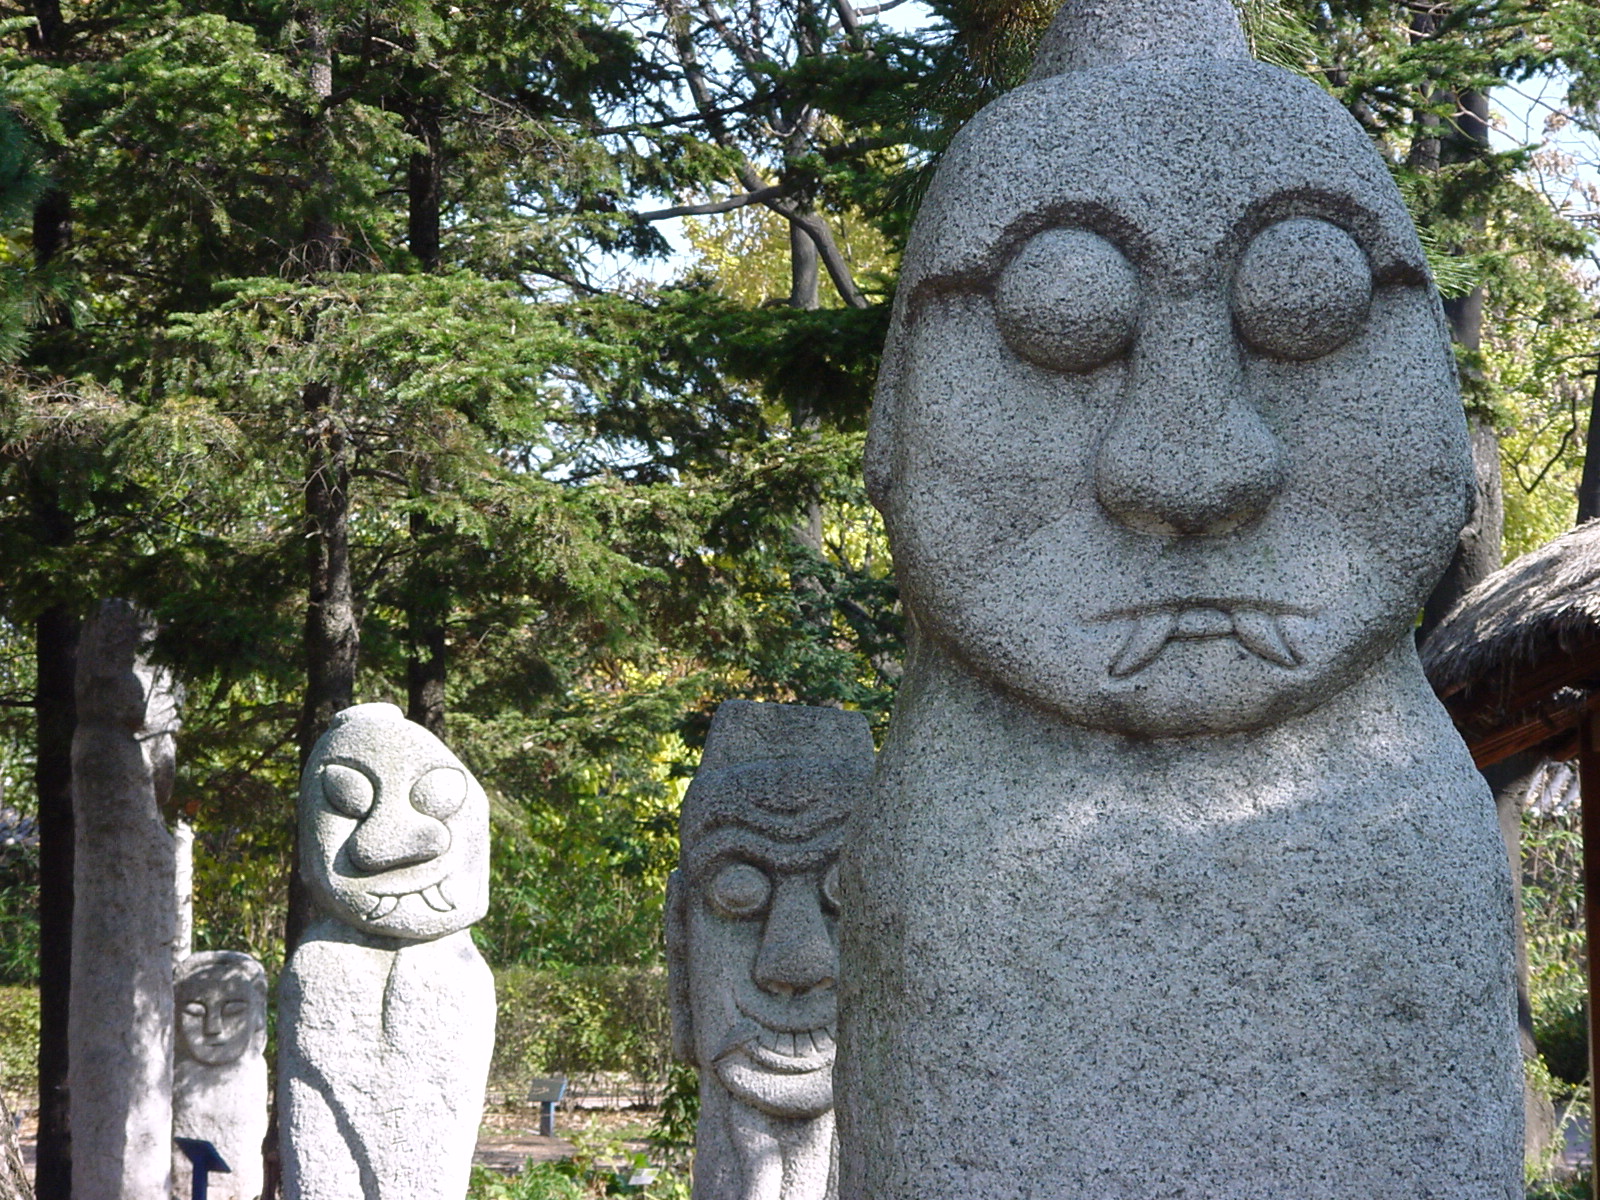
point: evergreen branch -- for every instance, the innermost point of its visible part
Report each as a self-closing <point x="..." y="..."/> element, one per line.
<point x="761" y="196"/>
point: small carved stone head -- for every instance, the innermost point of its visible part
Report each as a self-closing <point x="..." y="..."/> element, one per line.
<point x="752" y="945"/>
<point x="394" y="830"/>
<point x="221" y="1002"/>
<point x="1167" y="436"/>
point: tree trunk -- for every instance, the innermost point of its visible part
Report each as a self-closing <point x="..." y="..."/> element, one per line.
<point x="1589" y="485"/>
<point x="331" y="637"/>
<point x="424" y="183"/>
<point x="1479" y="551"/>
<point x="56" y="650"/>
<point x="332" y="640"/>
<point x="428" y="601"/>
<point x="427" y="593"/>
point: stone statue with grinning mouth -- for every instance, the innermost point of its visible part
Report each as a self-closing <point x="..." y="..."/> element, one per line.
<point x="386" y="1009"/>
<point x="1172" y="862"/>
<point x="751" y="946"/>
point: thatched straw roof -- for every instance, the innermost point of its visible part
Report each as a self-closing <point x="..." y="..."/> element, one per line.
<point x="1523" y="647"/>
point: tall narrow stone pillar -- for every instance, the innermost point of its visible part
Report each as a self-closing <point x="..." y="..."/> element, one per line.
<point x="183" y="891"/>
<point x="1173" y="867"/>
<point x="120" y="1022"/>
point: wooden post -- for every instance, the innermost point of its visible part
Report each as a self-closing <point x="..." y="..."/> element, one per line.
<point x="1589" y="790"/>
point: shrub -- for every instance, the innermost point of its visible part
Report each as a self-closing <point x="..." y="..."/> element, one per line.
<point x="19" y="1046"/>
<point x="581" y="1020"/>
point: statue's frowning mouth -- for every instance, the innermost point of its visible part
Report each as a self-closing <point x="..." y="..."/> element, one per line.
<point x="1258" y="628"/>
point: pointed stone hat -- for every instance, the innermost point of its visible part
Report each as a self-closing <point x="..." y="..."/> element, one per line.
<point x="1096" y="33"/>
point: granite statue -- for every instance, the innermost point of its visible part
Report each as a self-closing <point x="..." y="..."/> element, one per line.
<point x="219" y="1068"/>
<point x="119" y="1023"/>
<point x="752" y="951"/>
<point x="386" y="1009"/>
<point x="1171" y="860"/>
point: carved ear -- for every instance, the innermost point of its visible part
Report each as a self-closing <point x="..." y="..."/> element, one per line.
<point x="878" y="459"/>
<point x="678" y="968"/>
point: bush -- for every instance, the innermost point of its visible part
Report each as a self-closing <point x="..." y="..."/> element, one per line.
<point x="19" y="1046"/>
<point x="581" y="1020"/>
<point x="19" y="910"/>
<point x="1552" y="909"/>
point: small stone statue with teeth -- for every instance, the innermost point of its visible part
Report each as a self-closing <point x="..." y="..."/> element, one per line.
<point x="751" y="946"/>
<point x="386" y="1010"/>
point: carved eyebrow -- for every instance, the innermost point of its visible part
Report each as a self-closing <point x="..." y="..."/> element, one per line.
<point x="977" y="272"/>
<point x="714" y="851"/>
<point x="1394" y="253"/>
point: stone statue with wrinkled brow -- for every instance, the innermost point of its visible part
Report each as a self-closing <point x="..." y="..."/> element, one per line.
<point x="386" y="1010"/>
<point x="751" y="944"/>
<point x="1172" y="862"/>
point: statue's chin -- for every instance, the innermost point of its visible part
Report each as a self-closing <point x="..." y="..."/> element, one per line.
<point x="806" y="1095"/>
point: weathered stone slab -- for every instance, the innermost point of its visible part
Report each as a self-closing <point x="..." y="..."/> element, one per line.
<point x="1171" y="857"/>
<point x="119" y="1028"/>
<point x="752" y="949"/>
<point x="386" y="1009"/>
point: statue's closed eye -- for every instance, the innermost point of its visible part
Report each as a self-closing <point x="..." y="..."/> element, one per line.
<point x="1068" y="300"/>
<point x="347" y="791"/>
<point x="740" y="889"/>
<point x="439" y="793"/>
<point x="1302" y="290"/>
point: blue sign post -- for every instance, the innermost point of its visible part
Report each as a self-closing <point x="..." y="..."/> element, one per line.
<point x="548" y="1093"/>
<point x="203" y="1157"/>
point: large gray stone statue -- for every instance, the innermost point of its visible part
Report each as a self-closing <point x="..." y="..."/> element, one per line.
<point x="219" y="1068"/>
<point x="386" y="1010"/>
<point x="751" y="945"/>
<point x="1173" y="868"/>
<point x="119" y="1025"/>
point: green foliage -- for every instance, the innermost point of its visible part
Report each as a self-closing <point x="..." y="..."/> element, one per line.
<point x="19" y="914"/>
<point x="1552" y="909"/>
<point x="1578" y="1185"/>
<point x="680" y="1110"/>
<point x="19" y="1040"/>
<point x="581" y="1020"/>
<point x="536" y="1181"/>
<point x="580" y="1178"/>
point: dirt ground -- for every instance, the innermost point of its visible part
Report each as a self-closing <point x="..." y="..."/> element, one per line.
<point x="510" y="1136"/>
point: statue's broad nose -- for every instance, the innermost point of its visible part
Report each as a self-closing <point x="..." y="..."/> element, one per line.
<point x="1188" y="454"/>
<point x="797" y="952"/>
<point x="394" y="835"/>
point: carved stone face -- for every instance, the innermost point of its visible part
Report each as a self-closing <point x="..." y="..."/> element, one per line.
<point x="1168" y="438"/>
<point x="394" y="829"/>
<point x="221" y="1001"/>
<point x="755" y="909"/>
